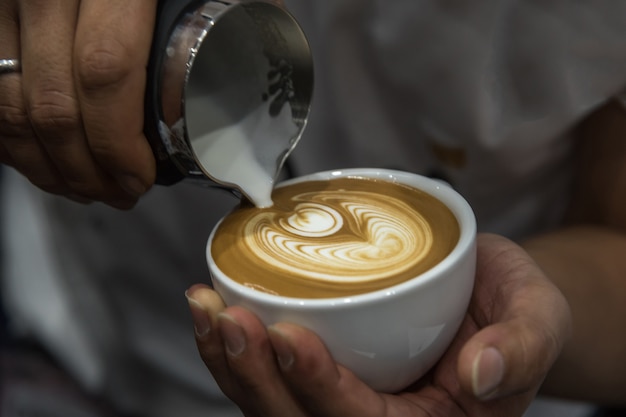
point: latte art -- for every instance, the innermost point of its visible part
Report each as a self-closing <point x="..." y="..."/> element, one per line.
<point x="335" y="238"/>
<point x="364" y="238"/>
<point x="312" y="220"/>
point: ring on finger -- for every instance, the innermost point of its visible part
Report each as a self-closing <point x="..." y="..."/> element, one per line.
<point x="8" y="66"/>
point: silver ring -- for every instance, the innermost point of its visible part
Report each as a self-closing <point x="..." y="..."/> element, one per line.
<point x="8" y="66"/>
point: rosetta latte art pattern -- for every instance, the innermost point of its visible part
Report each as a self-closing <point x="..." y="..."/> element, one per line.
<point x="339" y="236"/>
<point x="334" y="238"/>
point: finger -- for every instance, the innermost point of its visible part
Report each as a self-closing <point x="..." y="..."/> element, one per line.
<point x="206" y="306"/>
<point x="18" y="145"/>
<point x="322" y="387"/>
<point x="112" y="47"/>
<point x="531" y="324"/>
<point x="52" y="105"/>
<point x="253" y="367"/>
<point x="13" y="119"/>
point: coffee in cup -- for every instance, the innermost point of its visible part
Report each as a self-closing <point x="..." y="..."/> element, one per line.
<point x="335" y="238"/>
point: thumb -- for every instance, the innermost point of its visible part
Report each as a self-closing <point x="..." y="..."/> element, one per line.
<point x="506" y="359"/>
<point x="521" y="335"/>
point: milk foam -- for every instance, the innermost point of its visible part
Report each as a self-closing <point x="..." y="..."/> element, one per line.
<point x="312" y="220"/>
<point x="323" y="238"/>
<point x="376" y="242"/>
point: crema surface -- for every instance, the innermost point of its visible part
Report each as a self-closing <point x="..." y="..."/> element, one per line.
<point x="335" y="238"/>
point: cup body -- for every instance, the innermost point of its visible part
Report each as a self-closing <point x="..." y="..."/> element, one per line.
<point x="389" y="338"/>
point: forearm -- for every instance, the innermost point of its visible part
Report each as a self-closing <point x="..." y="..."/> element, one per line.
<point x="588" y="264"/>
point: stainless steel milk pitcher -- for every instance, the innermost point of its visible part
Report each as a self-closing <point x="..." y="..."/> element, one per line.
<point x="239" y="71"/>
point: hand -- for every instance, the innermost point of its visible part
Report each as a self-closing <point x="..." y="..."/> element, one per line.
<point x="515" y="327"/>
<point x="72" y="120"/>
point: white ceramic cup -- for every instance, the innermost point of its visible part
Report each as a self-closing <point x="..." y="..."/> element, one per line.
<point x="391" y="337"/>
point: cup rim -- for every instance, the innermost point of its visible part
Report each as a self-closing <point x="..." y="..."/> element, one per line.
<point x="439" y="189"/>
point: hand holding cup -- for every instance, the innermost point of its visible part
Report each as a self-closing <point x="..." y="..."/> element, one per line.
<point x="512" y="332"/>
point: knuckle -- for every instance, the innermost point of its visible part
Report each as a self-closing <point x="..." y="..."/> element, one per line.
<point x="54" y="112"/>
<point x="46" y="181"/>
<point x="82" y="186"/>
<point x="102" y="63"/>
<point x="98" y="189"/>
<point x="106" y="152"/>
<point x="14" y="121"/>
<point x="85" y="184"/>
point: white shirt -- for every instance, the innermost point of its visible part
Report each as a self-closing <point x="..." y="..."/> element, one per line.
<point x="482" y="93"/>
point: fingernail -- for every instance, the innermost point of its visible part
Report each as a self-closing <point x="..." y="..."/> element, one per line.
<point x="200" y="317"/>
<point x="132" y="185"/>
<point x="487" y="372"/>
<point x="233" y="335"/>
<point x="282" y="348"/>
